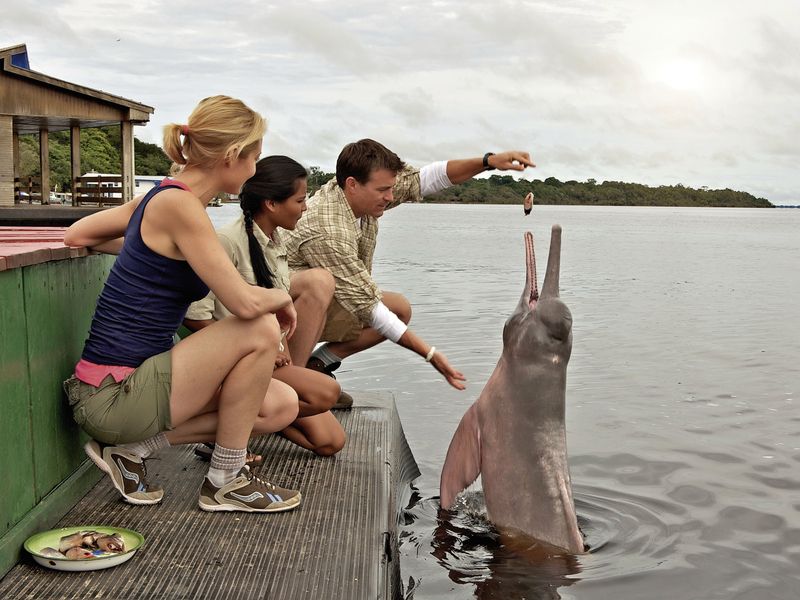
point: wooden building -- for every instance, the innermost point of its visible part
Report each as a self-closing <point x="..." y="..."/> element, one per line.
<point x="34" y="103"/>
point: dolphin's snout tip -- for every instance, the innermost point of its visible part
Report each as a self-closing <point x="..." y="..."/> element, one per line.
<point x="556" y="228"/>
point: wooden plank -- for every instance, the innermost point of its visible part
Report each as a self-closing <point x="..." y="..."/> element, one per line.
<point x="16" y="467"/>
<point x="40" y="337"/>
<point x="75" y="158"/>
<point x="98" y="190"/>
<point x="46" y="292"/>
<point x="101" y="179"/>
<point x="67" y="301"/>
<point x="24" y="257"/>
<point x="44" y="164"/>
<point x="52" y="215"/>
<point x="127" y="159"/>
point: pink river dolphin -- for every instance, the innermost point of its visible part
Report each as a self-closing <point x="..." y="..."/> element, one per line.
<point x="514" y="434"/>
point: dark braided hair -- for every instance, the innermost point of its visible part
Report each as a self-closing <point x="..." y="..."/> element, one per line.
<point x="276" y="179"/>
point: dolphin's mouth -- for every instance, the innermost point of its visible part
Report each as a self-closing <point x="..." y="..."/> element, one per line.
<point x="531" y="284"/>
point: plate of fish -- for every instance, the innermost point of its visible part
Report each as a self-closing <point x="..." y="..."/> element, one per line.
<point x="84" y="548"/>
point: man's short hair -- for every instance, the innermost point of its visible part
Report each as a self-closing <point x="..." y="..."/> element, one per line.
<point x="359" y="159"/>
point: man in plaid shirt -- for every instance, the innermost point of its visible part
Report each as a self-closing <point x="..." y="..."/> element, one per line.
<point x="339" y="232"/>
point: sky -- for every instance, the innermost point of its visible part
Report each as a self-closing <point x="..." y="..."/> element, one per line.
<point x="698" y="93"/>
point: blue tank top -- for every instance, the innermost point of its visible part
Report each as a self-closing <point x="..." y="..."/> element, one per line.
<point x="143" y="301"/>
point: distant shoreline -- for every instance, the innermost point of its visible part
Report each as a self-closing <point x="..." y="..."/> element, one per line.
<point x="432" y="200"/>
<point x="504" y="189"/>
<point x="487" y="203"/>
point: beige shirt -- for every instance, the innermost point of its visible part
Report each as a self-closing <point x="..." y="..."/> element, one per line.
<point x="330" y="236"/>
<point x="233" y="238"/>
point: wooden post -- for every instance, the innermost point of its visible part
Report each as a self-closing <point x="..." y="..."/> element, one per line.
<point x="7" y="137"/>
<point x="75" y="159"/>
<point x="126" y="139"/>
<point x="15" y="151"/>
<point x="44" y="164"/>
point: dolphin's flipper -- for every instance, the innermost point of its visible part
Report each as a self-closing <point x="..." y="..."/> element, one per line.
<point x="463" y="463"/>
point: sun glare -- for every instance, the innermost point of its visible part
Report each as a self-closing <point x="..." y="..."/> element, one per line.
<point x="680" y="74"/>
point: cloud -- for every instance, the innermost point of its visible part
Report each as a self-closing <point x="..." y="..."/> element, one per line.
<point x="622" y="90"/>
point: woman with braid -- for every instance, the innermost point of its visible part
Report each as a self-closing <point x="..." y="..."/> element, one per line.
<point x="133" y="391"/>
<point x="276" y="197"/>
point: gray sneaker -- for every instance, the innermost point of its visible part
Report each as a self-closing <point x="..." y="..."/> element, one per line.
<point x="345" y="400"/>
<point x="127" y="472"/>
<point x="247" y="493"/>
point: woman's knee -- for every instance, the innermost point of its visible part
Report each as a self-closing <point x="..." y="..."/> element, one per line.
<point x="331" y="446"/>
<point x="323" y="396"/>
<point x="265" y="331"/>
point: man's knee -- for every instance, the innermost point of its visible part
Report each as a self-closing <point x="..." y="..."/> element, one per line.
<point x="316" y="283"/>
<point x="399" y="305"/>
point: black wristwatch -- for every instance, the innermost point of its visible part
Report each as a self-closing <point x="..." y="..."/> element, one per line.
<point x="486" y="165"/>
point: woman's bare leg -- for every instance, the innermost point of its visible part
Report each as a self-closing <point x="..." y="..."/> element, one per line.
<point x="228" y="364"/>
<point x="278" y="410"/>
<point x="316" y="429"/>
<point x="322" y="434"/>
<point x="316" y="391"/>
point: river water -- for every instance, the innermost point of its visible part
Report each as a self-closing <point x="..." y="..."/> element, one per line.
<point x="682" y="399"/>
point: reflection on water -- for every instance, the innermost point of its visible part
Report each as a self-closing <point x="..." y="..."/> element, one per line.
<point x="682" y="420"/>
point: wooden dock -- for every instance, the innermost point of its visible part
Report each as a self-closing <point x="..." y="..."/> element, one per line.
<point x="341" y="543"/>
<point x="48" y="215"/>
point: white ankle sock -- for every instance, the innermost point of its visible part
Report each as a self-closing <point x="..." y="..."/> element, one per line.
<point x="226" y="464"/>
<point x="146" y="447"/>
<point x="325" y="355"/>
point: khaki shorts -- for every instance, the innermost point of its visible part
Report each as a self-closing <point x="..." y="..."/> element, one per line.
<point x="340" y="325"/>
<point x="132" y="410"/>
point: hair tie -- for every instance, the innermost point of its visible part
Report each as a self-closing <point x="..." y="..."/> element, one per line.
<point x="185" y="129"/>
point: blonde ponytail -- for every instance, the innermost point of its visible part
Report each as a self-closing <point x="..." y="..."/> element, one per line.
<point x="219" y="128"/>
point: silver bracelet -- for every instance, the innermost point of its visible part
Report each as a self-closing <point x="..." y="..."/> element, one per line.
<point x="430" y="354"/>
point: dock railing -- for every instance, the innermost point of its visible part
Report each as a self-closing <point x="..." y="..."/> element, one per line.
<point x="101" y="190"/>
<point x="27" y="189"/>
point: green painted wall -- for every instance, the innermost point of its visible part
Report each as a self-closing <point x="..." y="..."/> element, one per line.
<point x="45" y="311"/>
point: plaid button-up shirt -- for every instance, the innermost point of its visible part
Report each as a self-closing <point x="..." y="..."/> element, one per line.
<point x="330" y="236"/>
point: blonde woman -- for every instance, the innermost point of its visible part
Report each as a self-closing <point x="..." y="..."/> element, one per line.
<point x="134" y="392"/>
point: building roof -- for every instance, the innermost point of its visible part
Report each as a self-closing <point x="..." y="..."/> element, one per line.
<point x="37" y="100"/>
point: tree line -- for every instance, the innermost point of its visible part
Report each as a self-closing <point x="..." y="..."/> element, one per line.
<point x="504" y="189"/>
<point x="100" y="152"/>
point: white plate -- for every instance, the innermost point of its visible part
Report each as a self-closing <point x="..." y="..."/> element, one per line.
<point x="37" y="542"/>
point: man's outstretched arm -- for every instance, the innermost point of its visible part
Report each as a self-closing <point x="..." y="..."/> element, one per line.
<point x="462" y="169"/>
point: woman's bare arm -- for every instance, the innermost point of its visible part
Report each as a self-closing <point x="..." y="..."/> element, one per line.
<point x="102" y="231"/>
<point x="186" y="223"/>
